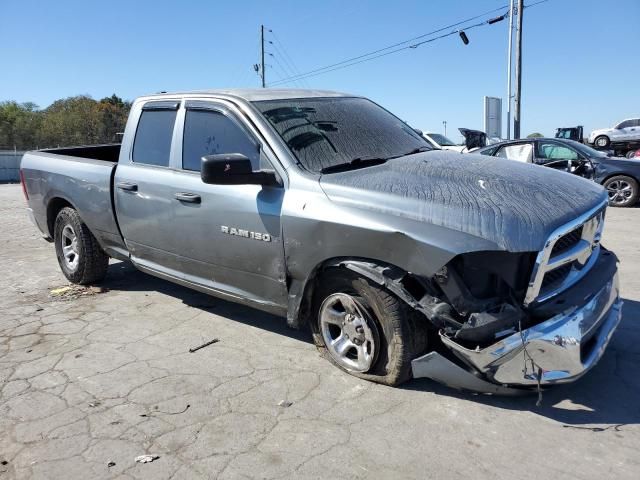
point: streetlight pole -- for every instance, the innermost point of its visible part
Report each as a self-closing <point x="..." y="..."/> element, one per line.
<point x="444" y="122"/>
<point x="509" y="72"/>
<point x="517" y="105"/>
<point x="262" y="58"/>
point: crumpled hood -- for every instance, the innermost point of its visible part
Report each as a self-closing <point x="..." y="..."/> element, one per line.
<point x="514" y="205"/>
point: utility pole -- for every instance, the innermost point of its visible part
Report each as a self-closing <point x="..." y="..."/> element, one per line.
<point x="262" y="58"/>
<point x="509" y="71"/>
<point x="518" y="100"/>
<point x="444" y="122"/>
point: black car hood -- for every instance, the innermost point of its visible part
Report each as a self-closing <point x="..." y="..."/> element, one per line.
<point x="514" y="205"/>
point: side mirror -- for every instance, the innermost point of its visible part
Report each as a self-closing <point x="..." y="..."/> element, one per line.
<point x="234" y="169"/>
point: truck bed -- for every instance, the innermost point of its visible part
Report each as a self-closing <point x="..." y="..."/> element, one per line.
<point x="81" y="177"/>
<point x="108" y="152"/>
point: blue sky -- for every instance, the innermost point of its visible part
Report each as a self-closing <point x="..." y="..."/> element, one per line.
<point x="580" y="56"/>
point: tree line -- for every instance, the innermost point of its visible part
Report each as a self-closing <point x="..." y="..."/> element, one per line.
<point x="78" y="120"/>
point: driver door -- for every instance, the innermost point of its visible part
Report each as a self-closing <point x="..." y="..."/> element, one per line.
<point x="228" y="236"/>
<point x="559" y="156"/>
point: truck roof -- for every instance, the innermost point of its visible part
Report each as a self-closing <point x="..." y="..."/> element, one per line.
<point x="257" y="94"/>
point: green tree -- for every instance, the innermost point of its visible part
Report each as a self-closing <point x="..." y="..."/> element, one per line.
<point x="114" y="112"/>
<point x="535" y="135"/>
<point x="78" y="120"/>
<point x="19" y="124"/>
<point x="71" y="121"/>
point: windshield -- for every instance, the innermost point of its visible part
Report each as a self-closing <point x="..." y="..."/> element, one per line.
<point x="441" y="140"/>
<point x="586" y="150"/>
<point x="325" y="132"/>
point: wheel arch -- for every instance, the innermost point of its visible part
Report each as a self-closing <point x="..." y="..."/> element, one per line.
<point x="620" y="174"/>
<point x="54" y="205"/>
<point x="408" y="287"/>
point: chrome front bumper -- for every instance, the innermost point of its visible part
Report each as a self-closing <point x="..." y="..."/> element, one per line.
<point x="558" y="350"/>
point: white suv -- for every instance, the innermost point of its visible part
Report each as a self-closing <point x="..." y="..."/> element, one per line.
<point x="626" y="131"/>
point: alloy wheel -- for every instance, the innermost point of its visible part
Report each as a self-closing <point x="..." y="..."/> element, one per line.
<point x="349" y="332"/>
<point x="619" y="191"/>
<point x="69" y="241"/>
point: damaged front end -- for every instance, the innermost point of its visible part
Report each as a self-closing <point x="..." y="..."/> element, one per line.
<point x="508" y="321"/>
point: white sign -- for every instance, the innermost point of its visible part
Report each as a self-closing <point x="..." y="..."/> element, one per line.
<point x="493" y="117"/>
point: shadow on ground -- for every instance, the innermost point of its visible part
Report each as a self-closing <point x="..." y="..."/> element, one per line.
<point x="123" y="276"/>
<point x="606" y="396"/>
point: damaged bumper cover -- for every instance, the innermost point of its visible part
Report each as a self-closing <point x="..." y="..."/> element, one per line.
<point x="558" y="350"/>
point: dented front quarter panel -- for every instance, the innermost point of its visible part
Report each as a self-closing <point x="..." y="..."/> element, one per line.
<point x="317" y="229"/>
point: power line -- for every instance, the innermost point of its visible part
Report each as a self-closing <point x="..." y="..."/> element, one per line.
<point x="288" y="71"/>
<point x="286" y="57"/>
<point x="413" y="46"/>
<point x="390" y="49"/>
<point x="404" y="42"/>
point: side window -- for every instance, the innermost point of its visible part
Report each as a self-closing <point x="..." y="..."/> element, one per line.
<point x="487" y="151"/>
<point x="554" y="151"/>
<point x="625" y="124"/>
<point x="152" y="144"/>
<point x="207" y="132"/>
<point x="520" y="153"/>
<point x="636" y="122"/>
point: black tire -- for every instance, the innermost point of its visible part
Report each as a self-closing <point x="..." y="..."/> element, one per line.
<point x="617" y="188"/>
<point x="400" y="334"/>
<point x="602" y="141"/>
<point x="86" y="263"/>
<point x="630" y="154"/>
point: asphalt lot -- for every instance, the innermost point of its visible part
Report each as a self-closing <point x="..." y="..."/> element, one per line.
<point x="90" y="380"/>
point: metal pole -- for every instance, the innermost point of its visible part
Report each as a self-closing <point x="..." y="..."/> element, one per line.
<point x="517" y="110"/>
<point x="444" y="122"/>
<point x="262" y="61"/>
<point x="509" y="72"/>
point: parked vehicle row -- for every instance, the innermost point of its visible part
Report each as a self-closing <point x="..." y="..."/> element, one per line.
<point x="404" y="261"/>
<point x="619" y="176"/>
<point x="622" y="140"/>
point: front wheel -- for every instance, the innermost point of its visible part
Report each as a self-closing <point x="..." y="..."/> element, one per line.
<point x="79" y="255"/>
<point x="602" y="141"/>
<point x="364" y="329"/>
<point x="622" y="190"/>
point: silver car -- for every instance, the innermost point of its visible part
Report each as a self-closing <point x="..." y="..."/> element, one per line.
<point x="626" y="131"/>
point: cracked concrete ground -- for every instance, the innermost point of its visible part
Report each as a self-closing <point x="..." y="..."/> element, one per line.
<point x="89" y="382"/>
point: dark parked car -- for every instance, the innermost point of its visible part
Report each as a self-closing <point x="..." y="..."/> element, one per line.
<point x="620" y="176"/>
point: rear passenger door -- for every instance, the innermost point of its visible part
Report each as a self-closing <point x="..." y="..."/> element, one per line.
<point x="142" y="187"/>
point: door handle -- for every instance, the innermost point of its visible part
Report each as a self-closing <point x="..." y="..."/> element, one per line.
<point x="129" y="187"/>
<point x="188" y="197"/>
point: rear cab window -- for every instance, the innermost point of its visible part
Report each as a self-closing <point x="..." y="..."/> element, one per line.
<point x="152" y="143"/>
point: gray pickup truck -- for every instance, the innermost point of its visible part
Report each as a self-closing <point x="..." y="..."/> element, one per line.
<point x="479" y="272"/>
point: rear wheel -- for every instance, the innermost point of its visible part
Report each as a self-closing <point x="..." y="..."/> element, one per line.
<point x="364" y="329"/>
<point x="622" y="191"/>
<point x="602" y="141"/>
<point x="80" y="257"/>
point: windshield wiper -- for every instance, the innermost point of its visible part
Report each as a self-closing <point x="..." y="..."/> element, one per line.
<point x="362" y="162"/>
<point x="424" y="148"/>
<point x="359" y="162"/>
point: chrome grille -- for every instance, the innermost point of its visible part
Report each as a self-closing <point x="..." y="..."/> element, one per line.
<point x="567" y="241"/>
<point x="567" y="256"/>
